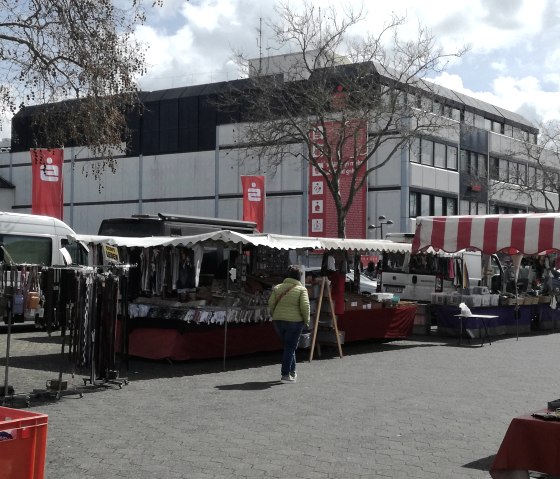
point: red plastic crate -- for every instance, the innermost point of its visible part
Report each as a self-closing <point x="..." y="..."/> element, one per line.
<point x="23" y="444"/>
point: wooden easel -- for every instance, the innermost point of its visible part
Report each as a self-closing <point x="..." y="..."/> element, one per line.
<point x="325" y="284"/>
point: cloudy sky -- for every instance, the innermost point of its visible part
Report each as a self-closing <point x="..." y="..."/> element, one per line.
<point x="513" y="62"/>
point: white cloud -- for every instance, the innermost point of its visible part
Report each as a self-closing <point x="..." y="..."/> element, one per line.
<point x="499" y="66"/>
<point x="512" y="62"/>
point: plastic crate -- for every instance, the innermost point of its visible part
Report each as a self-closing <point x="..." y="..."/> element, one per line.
<point x="23" y="444"/>
<point x="439" y="298"/>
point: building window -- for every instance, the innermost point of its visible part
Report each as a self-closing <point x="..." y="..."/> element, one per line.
<point x="465" y="161"/>
<point x="415" y="150"/>
<point x="451" y="206"/>
<point x="427" y="152"/>
<point x="421" y="204"/>
<point x="494" y="168"/>
<point x="472" y="208"/>
<point x="503" y="171"/>
<point x="413" y="205"/>
<point x="439" y="155"/>
<point x="425" y="205"/>
<point x="497" y="127"/>
<point x="452" y="158"/>
<point x="481" y="166"/>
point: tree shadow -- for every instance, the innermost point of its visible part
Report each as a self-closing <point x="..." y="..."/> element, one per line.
<point x="249" y="386"/>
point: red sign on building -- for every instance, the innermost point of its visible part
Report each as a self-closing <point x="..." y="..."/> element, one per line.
<point x="322" y="209"/>
<point x="253" y="200"/>
<point x="47" y="182"/>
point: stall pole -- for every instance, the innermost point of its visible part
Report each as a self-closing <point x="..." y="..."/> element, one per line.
<point x="7" y="366"/>
<point x="227" y="312"/>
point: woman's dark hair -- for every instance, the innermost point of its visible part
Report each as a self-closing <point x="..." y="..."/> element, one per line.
<point x="294" y="272"/>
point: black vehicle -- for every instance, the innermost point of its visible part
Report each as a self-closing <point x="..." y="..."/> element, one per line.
<point x="164" y="224"/>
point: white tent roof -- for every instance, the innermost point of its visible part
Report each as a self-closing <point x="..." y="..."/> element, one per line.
<point x="233" y="238"/>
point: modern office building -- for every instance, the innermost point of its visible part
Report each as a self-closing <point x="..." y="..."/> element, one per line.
<point x="183" y="159"/>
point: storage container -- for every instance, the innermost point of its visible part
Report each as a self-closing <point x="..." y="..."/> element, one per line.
<point x="23" y="444"/>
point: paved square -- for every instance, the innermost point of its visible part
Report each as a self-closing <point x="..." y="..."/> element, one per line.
<point x="420" y="408"/>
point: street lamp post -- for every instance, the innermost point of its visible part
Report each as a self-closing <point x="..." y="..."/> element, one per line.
<point x="373" y="227"/>
<point x="383" y="221"/>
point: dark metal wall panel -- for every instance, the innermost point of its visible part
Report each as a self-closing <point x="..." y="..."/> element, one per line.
<point x="474" y="139"/>
<point x="188" y="124"/>
<point x="169" y="126"/>
<point x="206" y="124"/>
<point x="150" y="129"/>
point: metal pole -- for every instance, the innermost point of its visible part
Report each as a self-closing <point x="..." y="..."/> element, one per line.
<point x="217" y="174"/>
<point x="140" y="181"/>
<point x="227" y="312"/>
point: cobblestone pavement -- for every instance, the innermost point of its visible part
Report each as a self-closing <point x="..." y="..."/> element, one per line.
<point x="417" y="408"/>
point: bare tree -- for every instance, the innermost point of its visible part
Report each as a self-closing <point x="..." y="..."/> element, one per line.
<point x="53" y="51"/>
<point x="529" y="171"/>
<point x="353" y="102"/>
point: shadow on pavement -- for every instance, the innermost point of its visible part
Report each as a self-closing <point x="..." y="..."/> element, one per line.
<point x="39" y="362"/>
<point x="249" y="386"/>
<point x="482" y="464"/>
<point x="42" y="339"/>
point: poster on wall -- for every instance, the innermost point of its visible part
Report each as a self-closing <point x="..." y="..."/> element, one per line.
<point x="253" y="200"/>
<point x="321" y="206"/>
<point x="47" y="182"/>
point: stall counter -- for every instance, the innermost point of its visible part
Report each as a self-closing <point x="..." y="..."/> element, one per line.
<point x="147" y="339"/>
<point x="530" y="317"/>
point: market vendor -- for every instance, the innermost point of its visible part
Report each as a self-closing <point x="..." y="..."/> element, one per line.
<point x="187" y="274"/>
<point x="334" y="269"/>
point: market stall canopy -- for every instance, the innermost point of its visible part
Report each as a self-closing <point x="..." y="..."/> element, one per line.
<point x="275" y="241"/>
<point x="526" y="234"/>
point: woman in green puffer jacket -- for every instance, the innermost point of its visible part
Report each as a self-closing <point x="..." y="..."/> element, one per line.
<point x="289" y="306"/>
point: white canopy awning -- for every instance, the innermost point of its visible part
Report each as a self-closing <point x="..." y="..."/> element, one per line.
<point x="233" y="238"/>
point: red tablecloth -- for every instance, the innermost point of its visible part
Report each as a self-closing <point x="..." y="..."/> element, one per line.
<point x="160" y="343"/>
<point x="530" y="444"/>
<point x="154" y="343"/>
<point x="379" y="323"/>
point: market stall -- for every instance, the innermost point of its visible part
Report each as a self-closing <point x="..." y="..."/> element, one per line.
<point x="517" y="235"/>
<point x="226" y="312"/>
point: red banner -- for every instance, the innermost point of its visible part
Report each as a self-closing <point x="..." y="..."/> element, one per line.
<point x="253" y="200"/>
<point x="46" y="170"/>
<point x="322" y="209"/>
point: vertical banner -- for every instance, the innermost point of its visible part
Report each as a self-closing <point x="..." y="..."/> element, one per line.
<point x="253" y="200"/>
<point x="322" y="209"/>
<point x="47" y="191"/>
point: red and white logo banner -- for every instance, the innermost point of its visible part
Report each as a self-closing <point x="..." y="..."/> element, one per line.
<point x="322" y="209"/>
<point x="253" y="200"/>
<point x="47" y="190"/>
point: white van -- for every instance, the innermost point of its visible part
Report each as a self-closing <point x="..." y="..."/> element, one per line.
<point x="36" y="239"/>
<point x="416" y="277"/>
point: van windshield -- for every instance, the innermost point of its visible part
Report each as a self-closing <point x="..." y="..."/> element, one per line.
<point x="77" y="251"/>
<point x="26" y="249"/>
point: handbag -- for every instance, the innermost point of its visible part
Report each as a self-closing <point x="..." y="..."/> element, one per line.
<point x="284" y="293"/>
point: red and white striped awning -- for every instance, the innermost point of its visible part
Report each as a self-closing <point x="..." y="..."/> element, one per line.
<point x="528" y="234"/>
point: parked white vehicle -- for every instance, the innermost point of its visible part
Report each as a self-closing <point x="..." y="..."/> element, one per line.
<point x="416" y="277"/>
<point x="36" y="239"/>
<point x="367" y="285"/>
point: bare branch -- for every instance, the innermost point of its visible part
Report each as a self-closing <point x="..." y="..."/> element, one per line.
<point x="333" y="87"/>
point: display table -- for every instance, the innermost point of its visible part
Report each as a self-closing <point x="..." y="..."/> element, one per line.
<point x="151" y="339"/>
<point x="504" y="323"/>
<point x="202" y="343"/>
<point x="530" y="444"/>
<point x="379" y="323"/>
